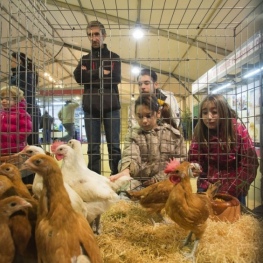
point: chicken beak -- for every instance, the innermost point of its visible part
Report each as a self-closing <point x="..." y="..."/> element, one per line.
<point x="24" y="166"/>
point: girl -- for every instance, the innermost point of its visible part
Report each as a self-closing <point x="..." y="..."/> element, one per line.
<point x="25" y="77"/>
<point x="149" y="146"/>
<point x="222" y="146"/>
<point x="15" y="122"/>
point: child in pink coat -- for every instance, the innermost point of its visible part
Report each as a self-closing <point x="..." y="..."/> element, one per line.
<point x="224" y="149"/>
<point x="15" y="122"/>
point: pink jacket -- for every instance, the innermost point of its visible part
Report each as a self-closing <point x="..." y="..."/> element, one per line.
<point x="15" y="126"/>
<point x="235" y="168"/>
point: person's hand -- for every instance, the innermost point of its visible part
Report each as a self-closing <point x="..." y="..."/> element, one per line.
<point x="83" y="67"/>
<point x="196" y="169"/>
<point x="113" y="178"/>
<point x="106" y="72"/>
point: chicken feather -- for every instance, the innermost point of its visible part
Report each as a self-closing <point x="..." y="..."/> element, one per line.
<point x="189" y="210"/>
<point x="61" y="234"/>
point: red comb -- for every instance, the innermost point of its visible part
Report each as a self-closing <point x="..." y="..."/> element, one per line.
<point x="171" y="166"/>
<point x="55" y="145"/>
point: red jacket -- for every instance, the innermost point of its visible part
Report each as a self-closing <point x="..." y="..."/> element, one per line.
<point x="235" y="168"/>
<point x="15" y="126"/>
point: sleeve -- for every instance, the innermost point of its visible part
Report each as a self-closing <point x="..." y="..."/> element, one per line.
<point x="130" y="157"/>
<point x="85" y="76"/>
<point x="248" y="165"/>
<point x="60" y="115"/>
<point x="114" y="65"/>
<point x="25" y="126"/>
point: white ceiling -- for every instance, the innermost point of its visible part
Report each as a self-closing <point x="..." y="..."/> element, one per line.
<point x="183" y="39"/>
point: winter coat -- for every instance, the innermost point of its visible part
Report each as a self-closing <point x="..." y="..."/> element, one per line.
<point x="67" y="113"/>
<point x="146" y="153"/>
<point x="15" y="126"/>
<point x="26" y="81"/>
<point x="100" y="91"/>
<point x="235" y="168"/>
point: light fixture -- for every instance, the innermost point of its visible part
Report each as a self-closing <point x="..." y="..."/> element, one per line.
<point x="135" y="70"/>
<point x="221" y="87"/>
<point x="138" y="32"/>
<point x="252" y="73"/>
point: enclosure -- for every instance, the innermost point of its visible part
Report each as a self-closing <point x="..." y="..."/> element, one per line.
<point x="195" y="47"/>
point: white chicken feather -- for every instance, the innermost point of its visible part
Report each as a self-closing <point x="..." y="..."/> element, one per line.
<point x="37" y="187"/>
<point x="118" y="185"/>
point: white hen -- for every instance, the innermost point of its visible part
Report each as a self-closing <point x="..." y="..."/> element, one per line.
<point x="76" y="201"/>
<point x="118" y="185"/>
<point x="92" y="187"/>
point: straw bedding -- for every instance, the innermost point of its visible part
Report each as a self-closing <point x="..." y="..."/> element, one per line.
<point x="128" y="236"/>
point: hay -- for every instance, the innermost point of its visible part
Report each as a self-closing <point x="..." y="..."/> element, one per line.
<point x="129" y="236"/>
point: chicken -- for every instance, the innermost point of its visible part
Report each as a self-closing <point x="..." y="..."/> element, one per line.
<point x="6" y="187"/>
<point x="8" y="206"/>
<point x="118" y="185"/>
<point x="76" y="201"/>
<point x="62" y="235"/>
<point x="189" y="210"/>
<point x="93" y="188"/>
<point x="12" y="172"/>
<point x="22" y="224"/>
<point x="153" y="197"/>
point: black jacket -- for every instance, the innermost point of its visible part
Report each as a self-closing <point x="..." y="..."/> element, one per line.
<point x="100" y="91"/>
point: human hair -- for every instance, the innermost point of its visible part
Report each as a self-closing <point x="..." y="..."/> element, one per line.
<point x="96" y="24"/>
<point x="12" y="92"/>
<point x="26" y="62"/>
<point x="67" y="102"/>
<point x="148" y="72"/>
<point x="226" y="114"/>
<point x="150" y="100"/>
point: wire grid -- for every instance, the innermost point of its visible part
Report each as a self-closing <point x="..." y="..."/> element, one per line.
<point x="182" y="42"/>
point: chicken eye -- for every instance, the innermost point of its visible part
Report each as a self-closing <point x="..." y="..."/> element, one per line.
<point x="13" y="204"/>
<point x="38" y="161"/>
<point x="30" y="151"/>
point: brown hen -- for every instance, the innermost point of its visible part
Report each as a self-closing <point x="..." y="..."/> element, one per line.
<point x="189" y="210"/>
<point x="8" y="206"/>
<point x="62" y="235"/>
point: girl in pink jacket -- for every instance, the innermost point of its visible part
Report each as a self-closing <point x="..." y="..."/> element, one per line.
<point x="224" y="149"/>
<point x="15" y="122"/>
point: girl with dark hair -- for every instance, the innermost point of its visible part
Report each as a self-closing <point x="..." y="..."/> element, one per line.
<point x="152" y="143"/>
<point x="224" y="149"/>
<point x="25" y="78"/>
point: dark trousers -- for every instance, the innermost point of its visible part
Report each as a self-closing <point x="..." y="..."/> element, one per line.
<point x="111" y="122"/>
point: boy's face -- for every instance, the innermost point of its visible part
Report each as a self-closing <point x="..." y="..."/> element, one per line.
<point x="95" y="36"/>
<point x="7" y="102"/>
<point x="146" y="85"/>
<point x="146" y="118"/>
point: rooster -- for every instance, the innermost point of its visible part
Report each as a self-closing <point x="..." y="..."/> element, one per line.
<point x="189" y="210"/>
<point x="8" y="206"/>
<point x="62" y="235"/>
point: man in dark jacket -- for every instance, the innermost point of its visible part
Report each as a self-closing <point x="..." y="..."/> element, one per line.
<point x="100" y="73"/>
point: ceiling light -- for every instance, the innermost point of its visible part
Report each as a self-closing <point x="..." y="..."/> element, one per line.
<point x="135" y="70"/>
<point x="221" y="87"/>
<point x="137" y="32"/>
<point x="252" y="73"/>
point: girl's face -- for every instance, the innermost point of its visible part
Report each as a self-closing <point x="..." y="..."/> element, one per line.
<point x="210" y="115"/>
<point x="7" y="102"/>
<point x="146" y="118"/>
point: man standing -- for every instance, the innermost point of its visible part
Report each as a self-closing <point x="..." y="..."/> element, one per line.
<point x="67" y="116"/>
<point x="100" y="72"/>
<point x="147" y="81"/>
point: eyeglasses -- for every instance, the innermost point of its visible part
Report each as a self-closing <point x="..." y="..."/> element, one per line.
<point x="144" y="82"/>
<point x="95" y="34"/>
